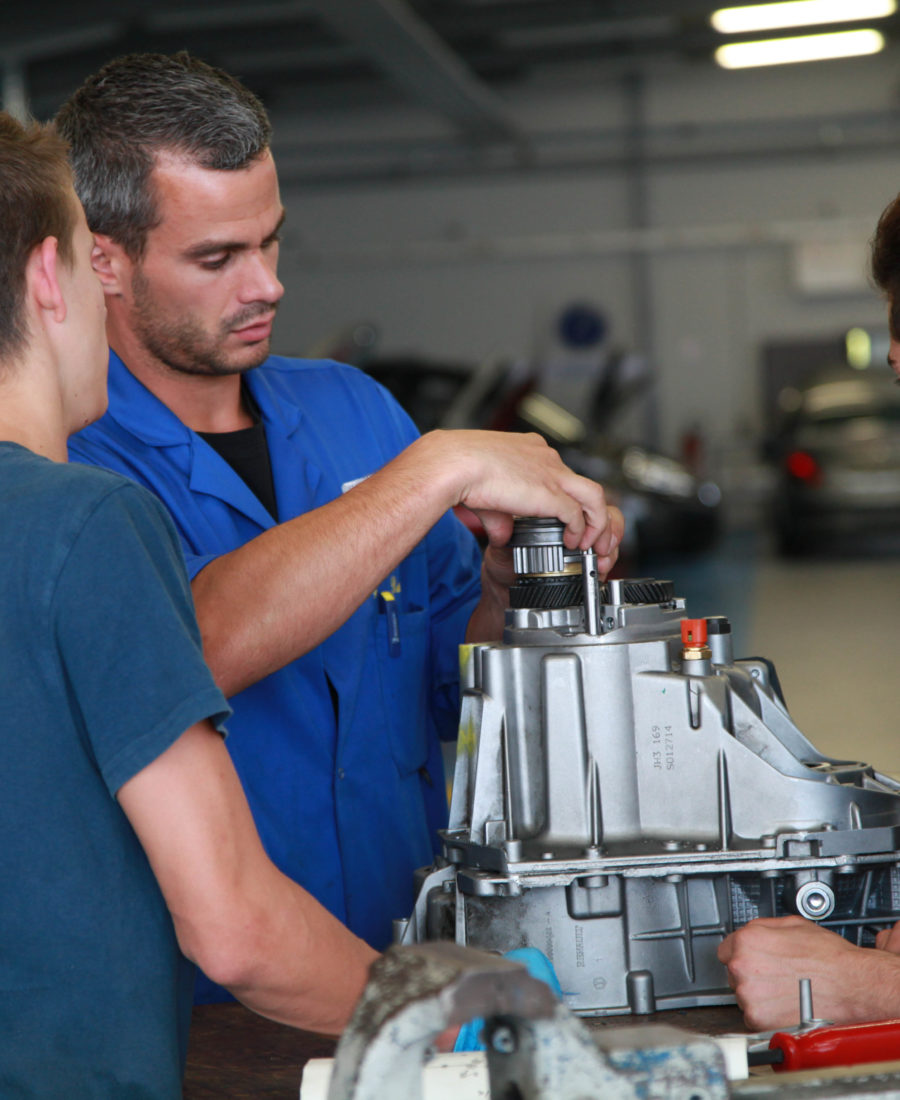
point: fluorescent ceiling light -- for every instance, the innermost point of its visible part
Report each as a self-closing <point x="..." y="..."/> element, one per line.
<point x="798" y="13"/>
<point x="808" y="47"/>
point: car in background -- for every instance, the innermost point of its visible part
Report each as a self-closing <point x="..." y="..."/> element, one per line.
<point x="667" y="509"/>
<point x="837" y="451"/>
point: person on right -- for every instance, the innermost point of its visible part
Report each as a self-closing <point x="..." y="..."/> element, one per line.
<point x="767" y="957"/>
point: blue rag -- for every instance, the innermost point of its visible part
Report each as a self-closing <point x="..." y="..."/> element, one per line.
<point x="538" y="966"/>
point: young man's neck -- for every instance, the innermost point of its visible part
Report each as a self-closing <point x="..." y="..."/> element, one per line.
<point x="31" y="411"/>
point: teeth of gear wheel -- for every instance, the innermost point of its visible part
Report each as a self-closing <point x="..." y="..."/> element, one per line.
<point x="567" y="592"/>
<point x="546" y="592"/>
<point x="647" y="590"/>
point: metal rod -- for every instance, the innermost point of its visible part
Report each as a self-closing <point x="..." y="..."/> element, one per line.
<point x="806" y="1003"/>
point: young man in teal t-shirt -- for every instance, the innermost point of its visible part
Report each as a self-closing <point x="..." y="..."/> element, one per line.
<point x="127" y="850"/>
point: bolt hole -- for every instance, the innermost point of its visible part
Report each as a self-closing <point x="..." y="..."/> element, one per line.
<point x="503" y="1039"/>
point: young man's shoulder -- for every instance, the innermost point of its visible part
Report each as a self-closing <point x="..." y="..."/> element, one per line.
<point x="68" y="490"/>
<point x="76" y="481"/>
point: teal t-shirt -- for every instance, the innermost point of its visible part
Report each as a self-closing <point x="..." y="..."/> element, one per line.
<point x="101" y="670"/>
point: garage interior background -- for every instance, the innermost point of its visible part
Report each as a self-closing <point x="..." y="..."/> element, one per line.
<point x="456" y="172"/>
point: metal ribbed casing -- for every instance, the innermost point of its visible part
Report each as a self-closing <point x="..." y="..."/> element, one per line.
<point x="537" y="546"/>
<point x="538" y="559"/>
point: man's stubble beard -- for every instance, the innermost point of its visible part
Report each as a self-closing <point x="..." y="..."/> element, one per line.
<point x="183" y="345"/>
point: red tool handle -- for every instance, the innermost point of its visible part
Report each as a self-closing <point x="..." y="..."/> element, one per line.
<point x="847" y="1045"/>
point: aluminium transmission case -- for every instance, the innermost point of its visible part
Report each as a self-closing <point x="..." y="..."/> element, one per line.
<point x="626" y="794"/>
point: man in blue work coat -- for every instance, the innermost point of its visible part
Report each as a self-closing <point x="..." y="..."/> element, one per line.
<point x="332" y="585"/>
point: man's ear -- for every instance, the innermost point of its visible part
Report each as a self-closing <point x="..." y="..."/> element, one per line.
<point x="42" y="278"/>
<point x="110" y="263"/>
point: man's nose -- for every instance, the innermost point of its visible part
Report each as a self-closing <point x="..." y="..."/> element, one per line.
<point x="261" y="283"/>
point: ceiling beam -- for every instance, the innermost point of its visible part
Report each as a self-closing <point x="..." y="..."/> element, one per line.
<point x="405" y="48"/>
<point x="15" y="53"/>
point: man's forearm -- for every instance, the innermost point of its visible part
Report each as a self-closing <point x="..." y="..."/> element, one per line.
<point x="284" y="592"/>
<point x="309" y="970"/>
<point x="486" y="621"/>
<point x="247" y="925"/>
<point x="767" y="958"/>
<point x="488" y="616"/>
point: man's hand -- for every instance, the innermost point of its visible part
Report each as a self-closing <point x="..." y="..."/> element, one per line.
<point x="499" y="475"/>
<point x="767" y="958"/>
<point x="497" y="575"/>
<point x="889" y="939"/>
<point x="502" y="475"/>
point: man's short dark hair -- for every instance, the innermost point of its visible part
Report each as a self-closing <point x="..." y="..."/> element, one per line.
<point x="886" y="261"/>
<point x="138" y="106"/>
<point x="36" y="202"/>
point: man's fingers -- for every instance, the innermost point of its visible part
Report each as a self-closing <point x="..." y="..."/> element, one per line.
<point x="498" y="525"/>
<point x="790" y="921"/>
<point x="593" y="515"/>
<point x="522" y="475"/>
<point x="616" y="526"/>
<point x="889" y="939"/>
<point x="574" y="520"/>
<point x="605" y="540"/>
<point x="604" y="524"/>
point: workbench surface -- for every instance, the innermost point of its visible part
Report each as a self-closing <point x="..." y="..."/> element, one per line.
<point x="235" y="1053"/>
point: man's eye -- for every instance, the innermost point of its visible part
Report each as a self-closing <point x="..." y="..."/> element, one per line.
<point x="215" y="264"/>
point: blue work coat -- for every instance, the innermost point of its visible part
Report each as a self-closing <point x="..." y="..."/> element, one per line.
<point x="346" y="805"/>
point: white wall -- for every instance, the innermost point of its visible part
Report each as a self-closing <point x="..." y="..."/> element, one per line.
<point x="471" y="266"/>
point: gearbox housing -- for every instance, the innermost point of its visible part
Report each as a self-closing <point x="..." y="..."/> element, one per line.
<point x="627" y="793"/>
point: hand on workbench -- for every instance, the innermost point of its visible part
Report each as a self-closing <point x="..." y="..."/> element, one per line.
<point x="767" y="958"/>
<point x="538" y="966"/>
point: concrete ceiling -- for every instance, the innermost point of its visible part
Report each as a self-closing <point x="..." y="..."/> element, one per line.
<point x="459" y="61"/>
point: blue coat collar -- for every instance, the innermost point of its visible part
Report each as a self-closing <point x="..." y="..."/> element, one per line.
<point x="145" y="416"/>
<point x="142" y="414"/>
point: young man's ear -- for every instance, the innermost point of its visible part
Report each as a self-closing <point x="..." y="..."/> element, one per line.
<point x="42" y="278"/>
<point x="109" y="262"/>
